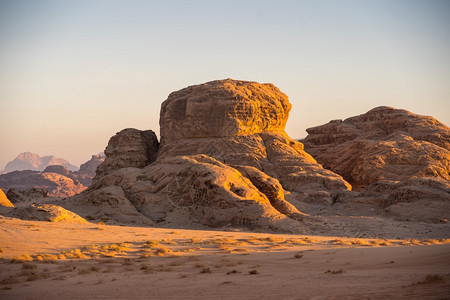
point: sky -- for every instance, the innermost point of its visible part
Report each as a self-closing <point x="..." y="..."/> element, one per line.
<point x="73" y="73"/>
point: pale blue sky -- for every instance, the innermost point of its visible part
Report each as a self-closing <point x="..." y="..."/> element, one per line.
<point x="73" y="73"/>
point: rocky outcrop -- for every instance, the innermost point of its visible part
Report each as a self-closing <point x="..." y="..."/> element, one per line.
<point x="129" y="148"/>
<point x="53" y="181"/>
<point x="4" y="201"/>
<point x="241" y="123"/>
<point x="224" y="159"/>
<point x="383" y="144"/>
<point x="87" y="170"/>
<point x="42" y="212"/>
<point x="55" y="184"/>
<point x="32" y="161"/>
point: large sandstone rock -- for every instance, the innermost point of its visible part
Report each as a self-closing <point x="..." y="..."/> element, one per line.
<point x="383" y="144"/>
<point x="241" y="123"/>
<point x="224" y="159"/>
<point x="223" y="108"/>
<point x="129" y="148"/>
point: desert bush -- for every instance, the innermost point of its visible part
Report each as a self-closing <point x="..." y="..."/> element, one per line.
<point x="253" y="272"/>
<point x="298" y="255"/>
<point x="431" y="278"/>
<point x="334" y="272"/>
<point x="205" y="270"/>
<point x="21" y="259"/>
<point x="150" y="244"/>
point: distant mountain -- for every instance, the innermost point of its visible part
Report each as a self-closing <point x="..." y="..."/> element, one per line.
<point x="34" y="162"/>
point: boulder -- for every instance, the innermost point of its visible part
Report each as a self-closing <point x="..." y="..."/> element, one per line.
<point x="129" y="148"/>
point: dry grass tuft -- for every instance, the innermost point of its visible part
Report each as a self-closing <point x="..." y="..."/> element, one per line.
<point x="205" y="270"/>
<point x="21" y="259"/>
<point x="151" y="244"/>
<point x="432" y="278"/>
<point x="334" y="272"/>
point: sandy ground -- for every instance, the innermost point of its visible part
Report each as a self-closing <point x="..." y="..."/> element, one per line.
<point x="43" y="260"/>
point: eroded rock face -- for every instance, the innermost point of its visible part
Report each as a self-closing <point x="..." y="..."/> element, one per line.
<point x="223" y="108"/>
<point x="246" y="127"/>
<point x="129" y="148"/>
<point x="224" y="159"/>
<point x="383" y="144"/>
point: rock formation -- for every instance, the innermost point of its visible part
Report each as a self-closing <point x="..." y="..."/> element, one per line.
<point x="87" y="170"/>
<point x="25" y="182"/>
<point x="224" y="159"/>
<point x="42" y="212"/>
<point x="32" y="161"/>
<point x="398" y="160"/>
<point x="53" y="181"/>
<point x="129" y="148"/>
<point x="383" y="144"/>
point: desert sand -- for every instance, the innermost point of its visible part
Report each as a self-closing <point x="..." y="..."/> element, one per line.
<point x="45" y="260"/>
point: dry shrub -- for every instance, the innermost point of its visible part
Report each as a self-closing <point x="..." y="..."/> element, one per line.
<point x="432" y="278"/>
<point x="341" y="242"/>
<point x="21" y="259"/>
<point x="151" y="243"/>
<point x="384" y="243"/>
<point x="430" y="242"/>
<point x="74" y="254"/>
<point x="237" y="250"/>
<point x="169" y="242"/>
<point x="334" y="272"/>
<point x="32" y="275"/>
<point x="274" y="239"/>
<point x="292" y="241"/>
<point x="195" y="241"/>
<point x="29" y="266"/>
<point x="11" y="279"/>
<point x="298" y="255"/>
<point x="205" y="270"/>
<point x="361" y="242"/>
<point x="161" y="251"/>
<point x="47" y="258"/>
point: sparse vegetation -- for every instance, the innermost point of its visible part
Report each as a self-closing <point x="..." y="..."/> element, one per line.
<point x="253" y="272"/>
<point x="298" y="255"/>
<point x="334" y="272"/>
<point x="22" y="258"/>
<point x="205" y="270"/>
<point x="431" y="278"/>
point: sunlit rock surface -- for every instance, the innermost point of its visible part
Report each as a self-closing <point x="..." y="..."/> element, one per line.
<point x="382" y="144"/>
<point x="4" y="201"/>
<point x="224" y="159"/>
<point x="129" y="148"/>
